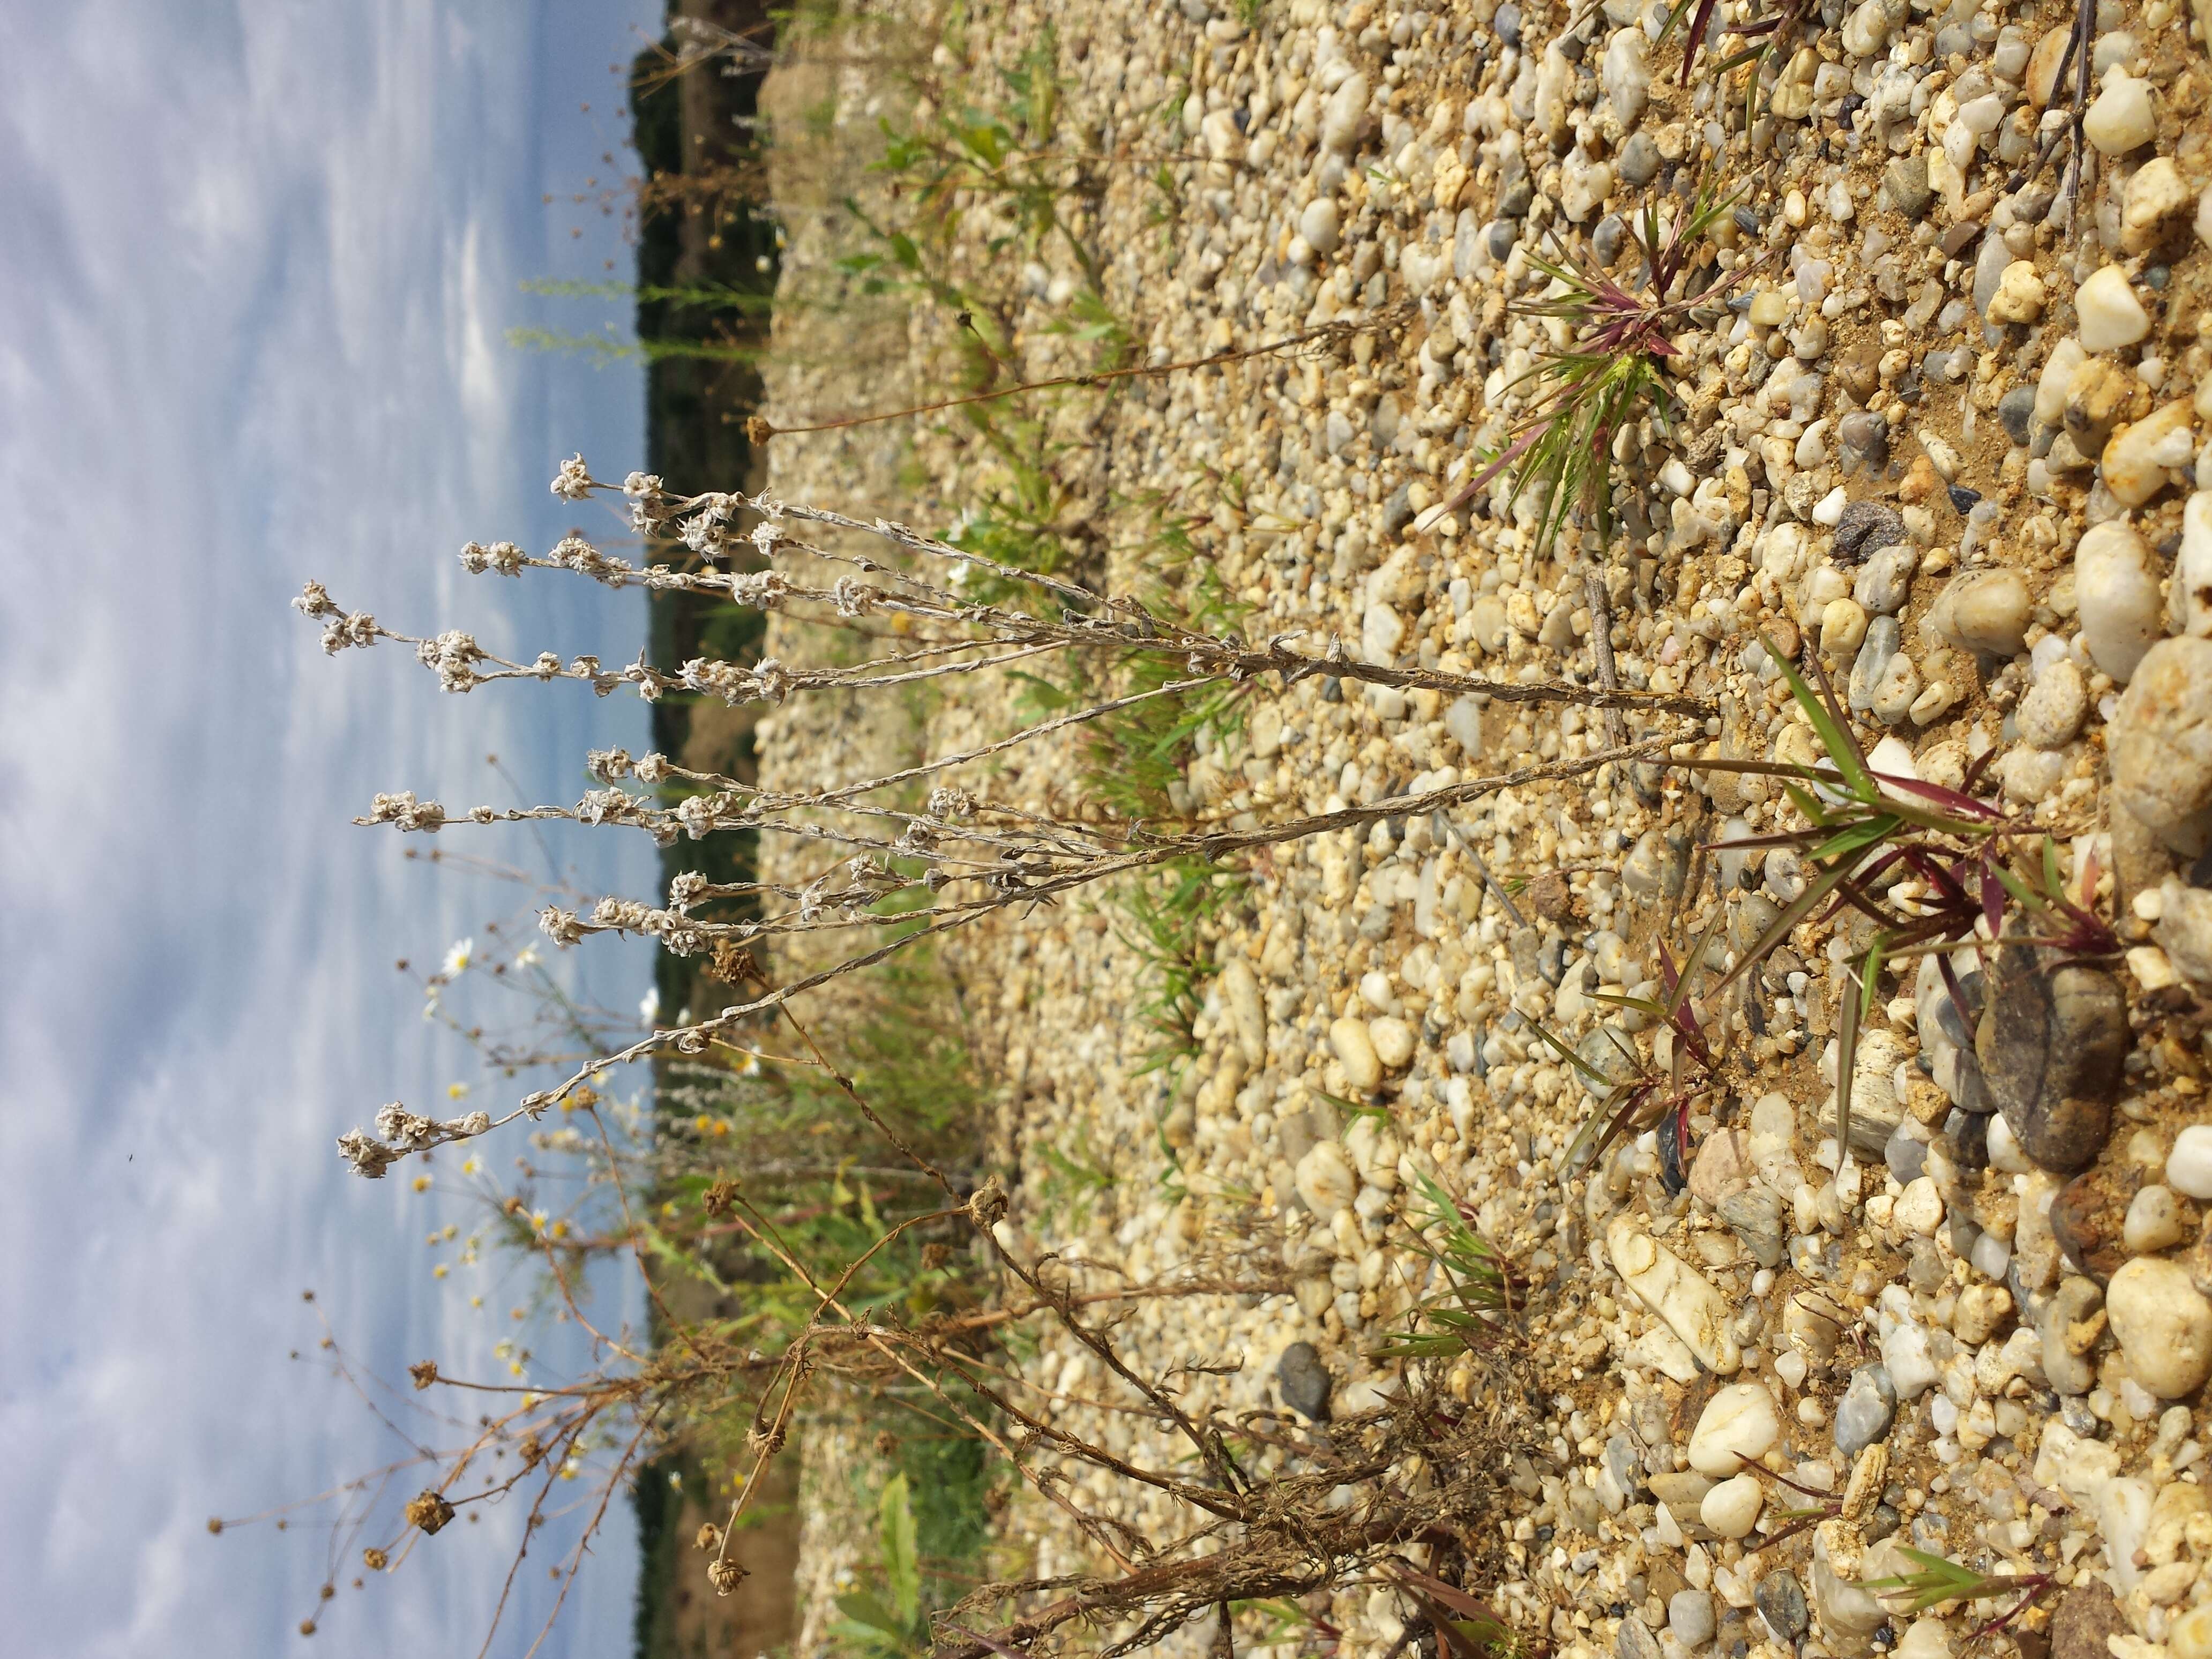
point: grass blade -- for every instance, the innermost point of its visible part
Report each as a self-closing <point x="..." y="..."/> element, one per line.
<point x="1828" y="724"/>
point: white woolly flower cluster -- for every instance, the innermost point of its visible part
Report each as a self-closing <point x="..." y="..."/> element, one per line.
<point x="609" y="765"/>
<point x="500" y="558"/>
<point x="559" y="926"/>
<point x="706" y="532"/>
<point x="763" y="590"/>
<point x="453" y="655"/>
<point x="611" y="806"/>
<point x="340" y="628"/>
<point x="698" y="814"/>
<point x="949" y="802"/>
<point x="646" y="507"/>
<point x="675" y="931"/>
<point x="574" y="553"/>
<point x="855" y="597"/>
<point x="402" y="1132"/>
<point x="573" y="483"/>
<point x="404" y="809"/>
<point x="767" y="681"/>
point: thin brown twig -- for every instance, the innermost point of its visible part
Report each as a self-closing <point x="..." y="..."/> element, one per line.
<point x="759" y="429"/>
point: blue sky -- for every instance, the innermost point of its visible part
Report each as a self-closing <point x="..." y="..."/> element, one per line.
<point x="258" y="263"/>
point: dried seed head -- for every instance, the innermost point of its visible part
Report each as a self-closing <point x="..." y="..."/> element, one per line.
<point x="987" y="1207"/>
<point x="721" y="1197"/>
<point x="429" y="1510"/>
<point x="532" y="1451"/>
<point x="424" y="1371"/>
<point x="306" y="1628"/>
<point x="725" y="1576"/>
<point x="710" y="1536"/>
<point x="935" y="1254"/>
<point x="886" y="1444"/>
<point x="328" y="1591"/>
<point x="215" y="1524"/>
<point x="374" y="1558"/>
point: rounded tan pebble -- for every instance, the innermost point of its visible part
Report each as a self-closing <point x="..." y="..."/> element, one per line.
<point x="1921" y="1208"/>
<point x="1990" y="610"/>
<point x="2153" y="1222"/>
<point x="1843" y="626"/>
<point x="2020" y="296"/>
<point x="1731" y="1509"/>
<point x="1355" y="1051"/>
<point x="1979" y="1310"/>
<point x="2107" y="311"/>
<point x="2160" y="742"/>
<point x="1391" y="1041"/>
<point x="2164" y="1326"/>
<point x="1325" y="1181"/>
<point x="1739" y="1426"/>
<point x="2189" y="1637"/>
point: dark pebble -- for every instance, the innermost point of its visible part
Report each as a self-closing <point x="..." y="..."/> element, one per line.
<point x="1305" y="1382"/>
<point x="1672" y="1174"/>
<point x="1639" y="158"/>
<point x="1515" y="190"/>
<point x="1508" y="23"/>
<point x="1332" y="689"/>
<point x="1747" y="221"/>
<point x="1606" y="240"/>
<point x="1882" y="1523"/>
<point x="1963" y="499"/>
<point x="1866" y="528"/>
<point x="1502" y="238"/>
<point x="2157" y="275"/>
<point x="2087" y="1617"/>
<point x="1397" y="510"/>
<point x="2085" y="1219"/>
<point x="1780" y="1602"/>
<point x="1864" y="439"/>
<point x="2051" y="1044"/>
<point x="2017" y="411"/>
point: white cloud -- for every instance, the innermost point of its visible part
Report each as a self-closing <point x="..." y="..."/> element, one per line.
<point x="252" y="317"/>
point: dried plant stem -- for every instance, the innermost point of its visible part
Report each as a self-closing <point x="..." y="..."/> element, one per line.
<point x="1600" y="609"/>
<point x="760" y="429"/>
<point x="1211" y="846"/>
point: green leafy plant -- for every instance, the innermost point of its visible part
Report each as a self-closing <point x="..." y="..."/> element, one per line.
<point x="1633" y="1103"/>
<point x="1480" y="1290"/>
<point x="1864" y="827"/>
<point x="1936" y="1580"/>
<point x="890" y="1620"/>
<point x="1614" y="367"/>
<point x="1770" y="36"/>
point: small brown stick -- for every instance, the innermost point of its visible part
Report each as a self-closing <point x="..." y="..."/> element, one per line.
<point x="759" y="429"/>
<point x="1601" y="609"/>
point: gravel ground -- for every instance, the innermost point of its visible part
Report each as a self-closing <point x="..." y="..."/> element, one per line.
<point x="1943" y="431"/>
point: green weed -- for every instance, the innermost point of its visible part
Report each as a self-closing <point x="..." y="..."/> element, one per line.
<point x="1614" y="368"/>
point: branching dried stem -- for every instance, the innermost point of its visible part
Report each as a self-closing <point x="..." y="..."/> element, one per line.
<point x="898" y="875"/>
<point x="760" y="429"/>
